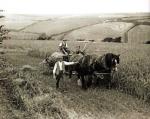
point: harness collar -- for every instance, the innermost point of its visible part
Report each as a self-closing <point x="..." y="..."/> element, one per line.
<point x="103" y="62"/>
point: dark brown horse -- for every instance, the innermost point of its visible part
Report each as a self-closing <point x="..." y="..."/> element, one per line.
<point x="103" y="67"/>
<point x="89" y="65"/>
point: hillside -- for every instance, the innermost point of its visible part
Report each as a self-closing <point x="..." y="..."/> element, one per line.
<point x="61" y="25"/>
<point x="16" y="21"/>
<point x="92" y="27"/>
<point x="99" y="31"/>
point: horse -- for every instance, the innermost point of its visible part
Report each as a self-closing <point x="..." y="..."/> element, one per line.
<point x="106" y="63"/>
<point x="104" y="66"/>
<point x="75" y="58"/>
<point x="89" y="65"/>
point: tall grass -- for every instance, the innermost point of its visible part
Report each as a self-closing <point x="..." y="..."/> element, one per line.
<point x="37" y="53"/>
<point x="133" y="76"/>
<point x="134" y="73"/>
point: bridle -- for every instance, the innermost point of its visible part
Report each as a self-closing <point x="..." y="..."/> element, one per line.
<point x="114" y="64"/>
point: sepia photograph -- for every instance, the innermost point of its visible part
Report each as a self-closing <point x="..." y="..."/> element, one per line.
<point x="74" y="59"/>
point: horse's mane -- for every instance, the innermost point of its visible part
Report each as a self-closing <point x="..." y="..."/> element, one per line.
<point x="108" y="58"/>
<point x="87" y="60"/>
<point x="84" y="61"/>
<point x="105" y="60"/>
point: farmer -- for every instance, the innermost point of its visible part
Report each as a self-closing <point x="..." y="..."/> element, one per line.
<point x="59" y="69"/>
<point x="63" y="47"/>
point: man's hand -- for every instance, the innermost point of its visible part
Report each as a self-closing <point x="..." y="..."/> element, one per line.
<point x="76" y="62"/>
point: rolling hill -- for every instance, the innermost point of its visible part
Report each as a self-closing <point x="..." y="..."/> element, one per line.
<point x="73" y="28"/>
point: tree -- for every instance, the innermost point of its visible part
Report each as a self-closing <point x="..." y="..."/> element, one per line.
<point x="3" y="33"/>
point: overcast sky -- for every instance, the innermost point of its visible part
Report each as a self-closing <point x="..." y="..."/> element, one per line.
<point x="74" y="6"/>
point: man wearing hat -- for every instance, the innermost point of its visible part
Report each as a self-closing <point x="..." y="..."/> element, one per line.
<point x="64" y="47"/>
<point x="59" y="69"/>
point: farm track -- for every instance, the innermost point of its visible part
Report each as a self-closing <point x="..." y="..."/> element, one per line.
<point x="94" y="103"/>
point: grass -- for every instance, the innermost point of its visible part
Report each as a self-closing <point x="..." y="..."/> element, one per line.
<point x="131" y="78"/>
<point x="134" y="70"/>
<point x="24" y="94"/>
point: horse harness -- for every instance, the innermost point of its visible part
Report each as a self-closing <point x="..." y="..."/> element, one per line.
<point x="102" y="61"/>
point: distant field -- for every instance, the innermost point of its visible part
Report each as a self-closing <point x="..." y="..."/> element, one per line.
<point x="17" y="22"/>
<point x="61" y="25"/>
<point x="77" y="27"/>
<point x="91" y="47"/>
<point x="23" y="35"/>
<point x="100" y="31"/>
<point x="140" y="34"/>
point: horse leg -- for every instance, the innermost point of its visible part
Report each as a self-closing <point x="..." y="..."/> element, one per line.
<point x="78" y="76"/>
<point x="95" y="80"/>
<point x="83" y="82"/>
<point x="109" y="81"/>
<point x="89" y="83"/>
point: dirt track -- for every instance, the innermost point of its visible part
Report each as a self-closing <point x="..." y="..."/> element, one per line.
<point x="70" y="101"/>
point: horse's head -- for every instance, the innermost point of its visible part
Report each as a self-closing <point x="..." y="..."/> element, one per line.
<point x="115" y="60"/>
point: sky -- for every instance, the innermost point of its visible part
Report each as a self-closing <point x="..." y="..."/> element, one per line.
<point x="74" y="6"/>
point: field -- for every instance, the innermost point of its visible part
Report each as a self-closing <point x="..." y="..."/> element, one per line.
<point x="31" y="94"/>
<point x="84" y="27"/>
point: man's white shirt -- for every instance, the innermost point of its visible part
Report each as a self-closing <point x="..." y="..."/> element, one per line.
<point x="60" y="65"/>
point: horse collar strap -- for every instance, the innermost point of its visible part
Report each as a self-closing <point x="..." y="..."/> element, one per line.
<point x="104" y="62"/>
